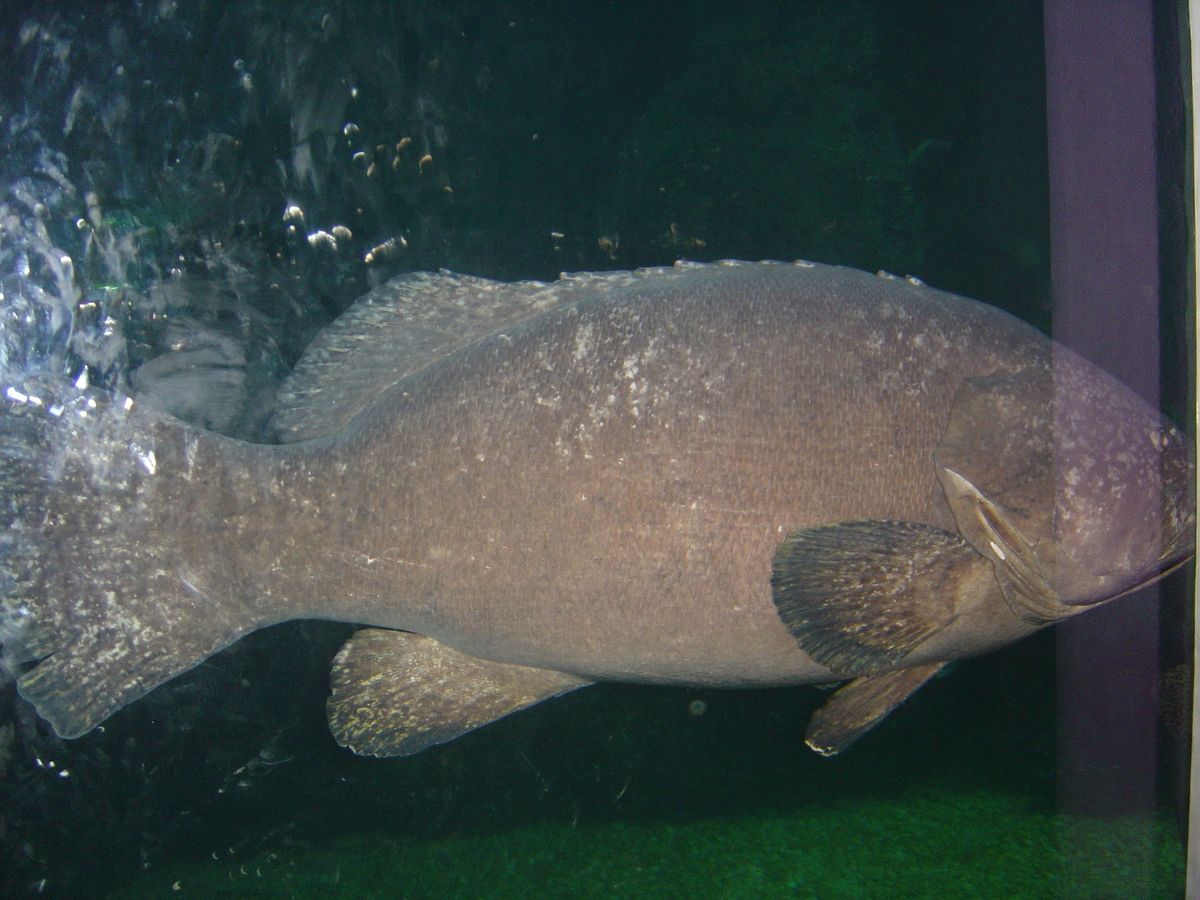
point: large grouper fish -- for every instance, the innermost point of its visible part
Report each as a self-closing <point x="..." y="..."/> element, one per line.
<point x="726" y="475"/>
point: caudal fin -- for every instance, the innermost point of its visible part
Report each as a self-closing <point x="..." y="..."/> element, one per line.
<point x="108" y="582"/>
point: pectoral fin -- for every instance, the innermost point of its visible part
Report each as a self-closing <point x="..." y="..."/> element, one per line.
<point x="858" y="596"/>
<point x="856" y="708"/>
<point x="396" y="693"/>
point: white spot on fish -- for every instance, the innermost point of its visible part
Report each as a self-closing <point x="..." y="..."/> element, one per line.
<point x="583" y="342"/>
<point x="148" y="460"/>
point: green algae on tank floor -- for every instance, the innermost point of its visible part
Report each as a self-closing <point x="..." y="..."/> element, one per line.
<point x="933" y="843"/>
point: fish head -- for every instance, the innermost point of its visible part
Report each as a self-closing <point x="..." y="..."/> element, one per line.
<point x="1074" y="487"/>
<point x="1124" y="486"/>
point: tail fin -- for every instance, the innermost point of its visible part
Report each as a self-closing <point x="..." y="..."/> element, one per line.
<point x="106" y="580"/>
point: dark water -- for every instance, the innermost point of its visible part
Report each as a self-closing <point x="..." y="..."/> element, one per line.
<point x="160" y="146"/>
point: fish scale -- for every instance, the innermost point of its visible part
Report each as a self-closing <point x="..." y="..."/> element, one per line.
<point x="726" y="475"/>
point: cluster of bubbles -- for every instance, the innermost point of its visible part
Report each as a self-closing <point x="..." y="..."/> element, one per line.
<point x="180" y="231"/>
<point x="167" y="172"/>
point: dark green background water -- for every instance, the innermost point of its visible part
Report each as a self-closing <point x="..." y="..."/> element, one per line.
<point x="906" y="136"/>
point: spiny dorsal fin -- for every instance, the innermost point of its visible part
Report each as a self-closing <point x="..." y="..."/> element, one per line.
<point x="856" y="708"/>
<point x="858" y="596"/>
<point x="400" y="328"/>
<point x="396" y="693"/>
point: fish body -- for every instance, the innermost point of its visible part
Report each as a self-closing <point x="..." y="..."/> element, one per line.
<point x="725" y="475"/>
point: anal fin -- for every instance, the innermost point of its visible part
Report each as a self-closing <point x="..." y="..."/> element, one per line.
<point x="396" y="693"/>
<point x="855" y="708"/>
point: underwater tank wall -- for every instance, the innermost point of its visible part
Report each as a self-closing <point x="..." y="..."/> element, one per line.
<point x="190" y="191"/>
<point x="1192" y="89"/>
<point x="1108" y="111"/>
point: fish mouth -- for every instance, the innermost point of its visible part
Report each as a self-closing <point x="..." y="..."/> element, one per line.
<point x="1178" y="552"/>
<point x="1172" y="519"/>
<point x="1182" y="546"/>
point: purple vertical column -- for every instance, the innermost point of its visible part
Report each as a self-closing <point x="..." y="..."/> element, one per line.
<point x="1100" y="94"/>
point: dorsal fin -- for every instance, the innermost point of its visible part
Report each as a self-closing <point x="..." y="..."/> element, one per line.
<point x="399" y="328"/>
